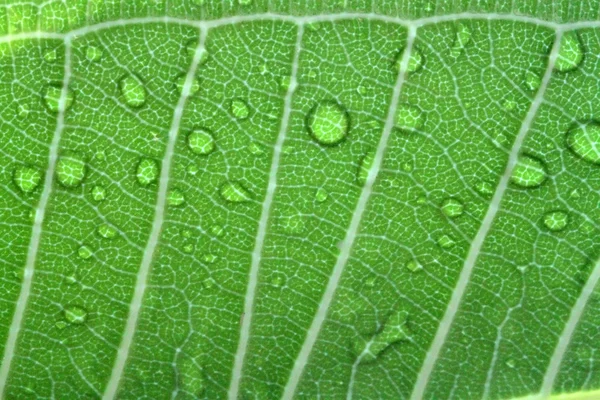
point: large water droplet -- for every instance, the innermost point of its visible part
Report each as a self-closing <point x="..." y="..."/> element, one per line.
<point x="133" y="91"/>
<point x="52" y="98"/>
<point x="570" y="53"/>
<point x="147" y="172"/>
<point x="328" y="123"/>
<point x="240" y="109"/>
<point x="394" y="330"/>
<point x="234" y="192"/>
<point x="529" y="172"/>
<point x="201" y="141"/>
<point x="584" y="141"/>
<point x="415" y="60"/>
<point x="462" y="38"/>
<point x="84" y="252"/>
<point x="70" y="170"/>
<point x="452" y="208"/>
<point x="409" y="117"/>
<point x="75" y="315"/>
<point x="98" y="193"/>
<point x="364" y="167"/>
<point x="27" y="178"/>
<point x="175" y="198"/>
<point x="107" y="231"/>
<point x="556" y="220"/>
<point x="93" y="53"/>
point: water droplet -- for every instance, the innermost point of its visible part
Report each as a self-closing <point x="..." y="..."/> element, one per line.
<point x="413" y="266"/>
<point x="409" y="117"/>
<point x="511" y="363"/>
<point x="293" y="224"/>
<point x="188" y="248"/>
<point x="84" y="252"/>
<point x="27" y="179"/>
<point x="328" y="123"/>
<point x="284" y="83"/>
<point x="52" y="98"/>
<point x="278" y="279"/>
<point x="147" y="172"/>
<point x="452" y="208"/>
<point x="175" y="198"/>
<point x="71" y="280"/>
<point x="217" y="230"/>
<point x="422" y="200"/>
<point x="321" y="195"/>
<point x="70" y="170"/>
<point x="93" y="53"/>
<point x="446" y="242"/>
<point x="407" y="166"/>
<point x="192" y="169"/>
<point x="364" y="167"/>
<point x="570" y="53"/>
<point x="75" y="315"/>
<point x="532" y="80"/>
<point x="393" y="331"/>
<point x="60" y="325"/>
<point x="209" y="283"/>
<point x="195" y="88"/>
<point x="415" y="61"/>
<point x="50" y="55"/>
<point x="255" y="148"/>
<point x="509" y="104"/>
<point x="574" y="194"/>
<point x="22" y="110"/>
<point x="462" y="38"/>
<point x="133" y="91"/>
<point x="584" y="141"/>
<point x="192" y="377"/>
<point x="107" y="231"/>
<point x="371" y="282"/>
<point x="362" y="90"/>
<point x="556" y="220"/>
<point x="209" y="258"/>
<point x="484" y="188"/>
<point x="98" y="193"/>
<point x="239" y="109"/>
<point x="187" y="233"/>
<point x="234" y="192"/>
<point x="100" y="155"/>
<point x="199" y="2"/>
<point x="529" y="172"/>
<point x="201" y="141"/>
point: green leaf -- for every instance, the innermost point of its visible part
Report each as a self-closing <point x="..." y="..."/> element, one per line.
<point x="266" y="199"/>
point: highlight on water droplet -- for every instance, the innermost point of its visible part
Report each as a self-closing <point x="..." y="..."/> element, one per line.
<point x="328" y="123"/>
<point x="52" y="98"/>
<point x="107" y="231"/>
<point x="415" y="60"/>
<point x="556" y="220"/>
<point x="75" y="315"/>
<point x="175" y="198"/>
<point x="528" y="173"/>
<point x="147" y="171"/>
<point x="84" y="252"/>
<point x="321" y="195"/>
<point x="93" y="53"/>
<point x="194" y="88"/>
<point x="584" y="141"/>
<point x="98" y="193"/>
<point x="452" y="208"/>
<point x="26" y="178"/>
<point x="234" y="192"/>
<point x="133" y="91"/>
<point x="409" y="117"/>
<point x="364" y="167"/>
<point x="70" y="170"/>
<point x="462" y="38"/>
<point x="570" y="53"/>
<point x="240" y="109"/>
<point x="201" y="141"/>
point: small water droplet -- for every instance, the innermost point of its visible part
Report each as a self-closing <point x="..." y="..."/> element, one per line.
<point x="484" y="188"/>
<point x="364" y="167"/>
<point x="394" y="330"/>
<point x="407" y="166"/>
<point x="462" y="38"/>
<point x="175" y="198"/>
<point x="574" y="194"/>
<point x="509" y="104"/>
<point x="584" y="141"/>
<point x="188" y="248"/>
<point x="528" y="173"/>
<point x="71" y="280"/>
<point x="192" y="377"/>
<point x="27" y="179"/>
<point x="70" y="170"/>
<point x="100" y="155"/>
<point x="532" y="80"/>
<point x="133" y="91"/>
<point x="321" y="195"/>
<point x="240" y="109"/>
<point x="50" y="55"/>
<point x="446" y="242"/>
<point x="422" y="200"/>
<point x="362" y="90"/>
<point x="278" y="279"/>
<point x="415" y="61"/>
<point x="234" y="192"/>
<point x="107" y="231"/>
<point x="511" y="363"/>
<point x="209" y="283"/>
<point x="23" y="110"/>
<point x="187" y="233"/>
<point x="84" y="252"/>
<point x="570" y="53"/>
<point x="60" y="325"/>
<point x="192" y="169"/>
<point x="284" y="83"/>
<point x="52" y="98"/>
<point x="93" y="53"/>
<point x="556" y="220"/>
<point x="209" y="258"/>
<point x="201" y="142"/>
<point x="195" y="88"/>
<point x="371" y="282"/>
<point x="245" y="2"/>
<point x="147" y="172"/>
<point x="75" y="315"/>
<point x="452" y="208"/>
<point x="409" y="117"/>
<point x="255" y="148"/>
<point x="98" y="193"/>
<point x="217" y="230"/>
<point x="413" y="266"/>
<point x="328" y="123"/>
